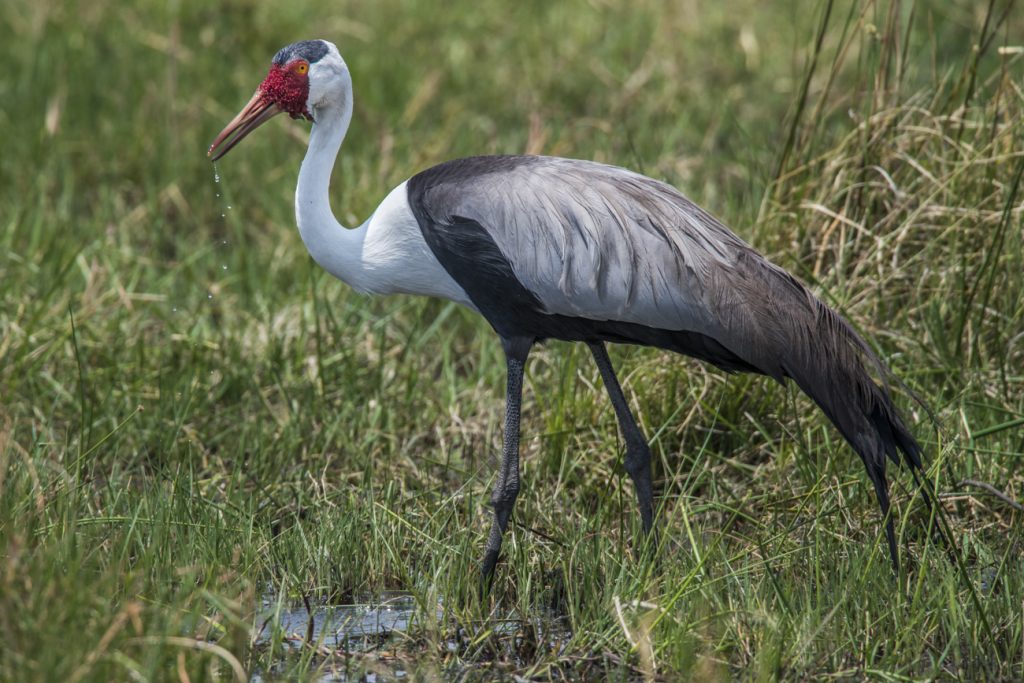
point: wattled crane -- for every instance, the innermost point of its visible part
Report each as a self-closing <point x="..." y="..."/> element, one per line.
<point x="551" y="248"/>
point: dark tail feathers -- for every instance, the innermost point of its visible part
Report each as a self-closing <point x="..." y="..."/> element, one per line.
<point x="776" y="325"/>
<point x="831" y="370"/>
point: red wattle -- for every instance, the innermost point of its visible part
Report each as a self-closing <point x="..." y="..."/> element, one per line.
<point x="287" y="89"/>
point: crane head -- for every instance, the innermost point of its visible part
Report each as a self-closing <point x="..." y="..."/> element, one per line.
<point x="298" y="82"/>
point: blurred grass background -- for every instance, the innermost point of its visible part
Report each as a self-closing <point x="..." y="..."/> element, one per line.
<point x="193" y="416"/>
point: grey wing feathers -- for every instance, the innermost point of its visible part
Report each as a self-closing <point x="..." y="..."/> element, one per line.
<point x="603" y="243"/>
<point x="595" y="241"/>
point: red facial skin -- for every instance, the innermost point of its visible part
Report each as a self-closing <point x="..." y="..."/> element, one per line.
<point x="288" y="87"/>
<point x="285" y="89"/>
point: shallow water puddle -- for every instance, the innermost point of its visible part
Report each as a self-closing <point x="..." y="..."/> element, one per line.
<point x="364" y="641"/>
<point x="367" y="626"/>
<point x="352" y="627"/>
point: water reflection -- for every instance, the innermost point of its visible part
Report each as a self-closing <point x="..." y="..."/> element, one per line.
<point x="339" y="627"/>
<point x="370" y="639"/>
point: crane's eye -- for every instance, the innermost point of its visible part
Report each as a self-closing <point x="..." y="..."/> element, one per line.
<point x="301" y="68"/>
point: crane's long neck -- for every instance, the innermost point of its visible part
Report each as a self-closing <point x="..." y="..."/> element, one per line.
<point x="336" y="248"/>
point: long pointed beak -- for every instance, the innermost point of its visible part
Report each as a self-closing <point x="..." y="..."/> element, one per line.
<point x="252" y="116"/>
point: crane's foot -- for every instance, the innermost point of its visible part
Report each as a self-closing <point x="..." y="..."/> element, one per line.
<point x="490" y="561"/>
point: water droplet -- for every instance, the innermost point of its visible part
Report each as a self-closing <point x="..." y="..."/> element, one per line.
<point x="174" y="309"/>
<point x="222" y="215"/>
<point x="223" y="267"/>
<point x="229" y="207"/>
<point x="209" y="296"/>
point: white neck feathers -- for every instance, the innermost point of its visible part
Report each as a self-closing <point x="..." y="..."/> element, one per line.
<point x="386" y="254"/>
<point x="337" y="249"/>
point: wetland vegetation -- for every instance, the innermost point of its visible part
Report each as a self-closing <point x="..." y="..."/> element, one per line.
<point x="202" y="434"/>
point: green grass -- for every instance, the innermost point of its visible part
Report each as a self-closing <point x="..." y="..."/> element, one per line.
<point x="192" y="415"/>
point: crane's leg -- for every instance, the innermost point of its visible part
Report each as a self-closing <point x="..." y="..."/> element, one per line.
<point x="638" y="453"/>
<point x="506" y="488"/>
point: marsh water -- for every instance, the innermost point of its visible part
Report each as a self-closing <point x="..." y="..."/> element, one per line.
<point x="369" y="640"/>
<point x="372" y="624"/>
